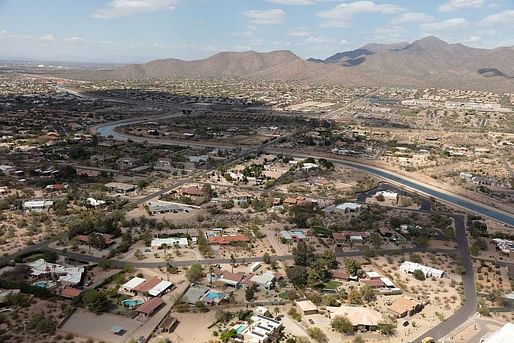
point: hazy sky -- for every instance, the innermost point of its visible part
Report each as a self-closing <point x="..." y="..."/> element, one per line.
<point x="141" y="30"/>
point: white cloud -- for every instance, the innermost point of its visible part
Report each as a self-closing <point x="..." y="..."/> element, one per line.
<point x="505" y="17"/>
<point x="75" y="39"/>
<point x="266" y="17"/>
<point x="318" y="40"/>
<point x="342" y="14"/>
<point x="292" y="2"/>
<point x="454" y="5"/>
<point x="413" y="17"/>
<point x="445" y="25"/>
<point x="300" y="32"/>
<point x="122" y="8"/>
<point x="47" y="38"/>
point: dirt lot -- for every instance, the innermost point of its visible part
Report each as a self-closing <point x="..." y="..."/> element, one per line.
<point x="99" y="326"/>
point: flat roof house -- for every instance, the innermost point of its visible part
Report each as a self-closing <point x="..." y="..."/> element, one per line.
<point x="265" y="280"/>
<point x="120" y="188"/>
<point x="362" y="318"/>
<point x="157" y="243"/>
<point x="409" y="268"/>
<point x="307" y="307"/>
<point x="129" y="286"/>
<point x="37" y="205"/>
<point x="262" y="329"/>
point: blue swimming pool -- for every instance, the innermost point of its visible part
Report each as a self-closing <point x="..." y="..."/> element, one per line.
<point x="131" y="303"/>
<point x="44" y="284"/>
<point x="215" y="295"/>
<point x="240" y="328"/>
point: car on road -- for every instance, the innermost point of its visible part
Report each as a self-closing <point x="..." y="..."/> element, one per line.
<point x="311" y="321"/>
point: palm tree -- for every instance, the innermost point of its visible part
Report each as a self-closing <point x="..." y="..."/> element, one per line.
<point x="211" y="270"/>
<point x="232" y="261"/>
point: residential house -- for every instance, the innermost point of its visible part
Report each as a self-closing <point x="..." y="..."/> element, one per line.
<point x="37" y="205"/>
<point x="362" y="318"/>
<point x="306" y="307"/>
<point x="150" y="307"/>
<point x="403" y="307"/>
<point x="261" y="330"/>
<point x="410" y="267"/>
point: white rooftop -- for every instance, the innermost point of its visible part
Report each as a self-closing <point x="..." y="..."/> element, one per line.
<point x="503" y="335"/>
<point x="158" y="242"/>
<point x="133" y="283"/>
<point x="71" y="275"/>
<point x="159" y="288"/>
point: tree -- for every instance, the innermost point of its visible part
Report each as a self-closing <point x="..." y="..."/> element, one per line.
<point x="353" y="267"/>
<point x="266" y="258"/>
<point x="368" y="294"/>
<point x="227" y="335"/>
<point x="297" y="275"/>
<point x="195" y="272"/>
<point x="419" y="275"/>
<point x="342" y="324"/>
<point x="94" y="300"/>
<point x="303" y="254"/>
<point x="316" y="334"/>
<point x="317" y="273"/>
<point x="250" y="293"/>
<point x="42" y="324"/>
<point x="232" y="261"/>
<point x="330" y="258"/>
<point x="387" y="329"/>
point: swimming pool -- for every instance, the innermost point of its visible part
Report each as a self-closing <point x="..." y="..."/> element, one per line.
<point x="44" y="284"/>
<point x="215" y="295"/>
<point x="131" y="303"/>
<point x="240" y="328"/>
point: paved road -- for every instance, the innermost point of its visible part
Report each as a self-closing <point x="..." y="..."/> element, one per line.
<point x="185" y="263"/>
<point x="38" y="246"/>
<point x="468" y="279"/>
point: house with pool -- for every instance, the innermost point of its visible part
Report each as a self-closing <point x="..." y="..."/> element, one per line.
<point x="261" y="330"/>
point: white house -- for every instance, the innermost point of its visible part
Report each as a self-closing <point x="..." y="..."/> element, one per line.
<point x="157" y="243"/>
<point x="37" y="205"/>
<point x="409" y="268"/>
<point x="388" y="195"/>
<point x="161" y="288"/>
<point x="94" y="202"/>
<point x="265" y="280"/>
<point x="262" y="329"/>
<point x="129" y="286"/>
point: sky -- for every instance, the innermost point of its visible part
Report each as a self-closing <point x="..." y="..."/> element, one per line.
<point x="126" y="31"/>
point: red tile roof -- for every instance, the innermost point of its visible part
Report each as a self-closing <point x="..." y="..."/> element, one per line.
<point x="224" y="240"/>
<point x="70" y="292"/>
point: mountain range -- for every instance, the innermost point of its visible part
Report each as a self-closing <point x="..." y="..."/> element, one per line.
<point x="427" y="62"/>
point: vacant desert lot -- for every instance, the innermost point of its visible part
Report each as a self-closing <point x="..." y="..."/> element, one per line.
<point x="86" y="324"/>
